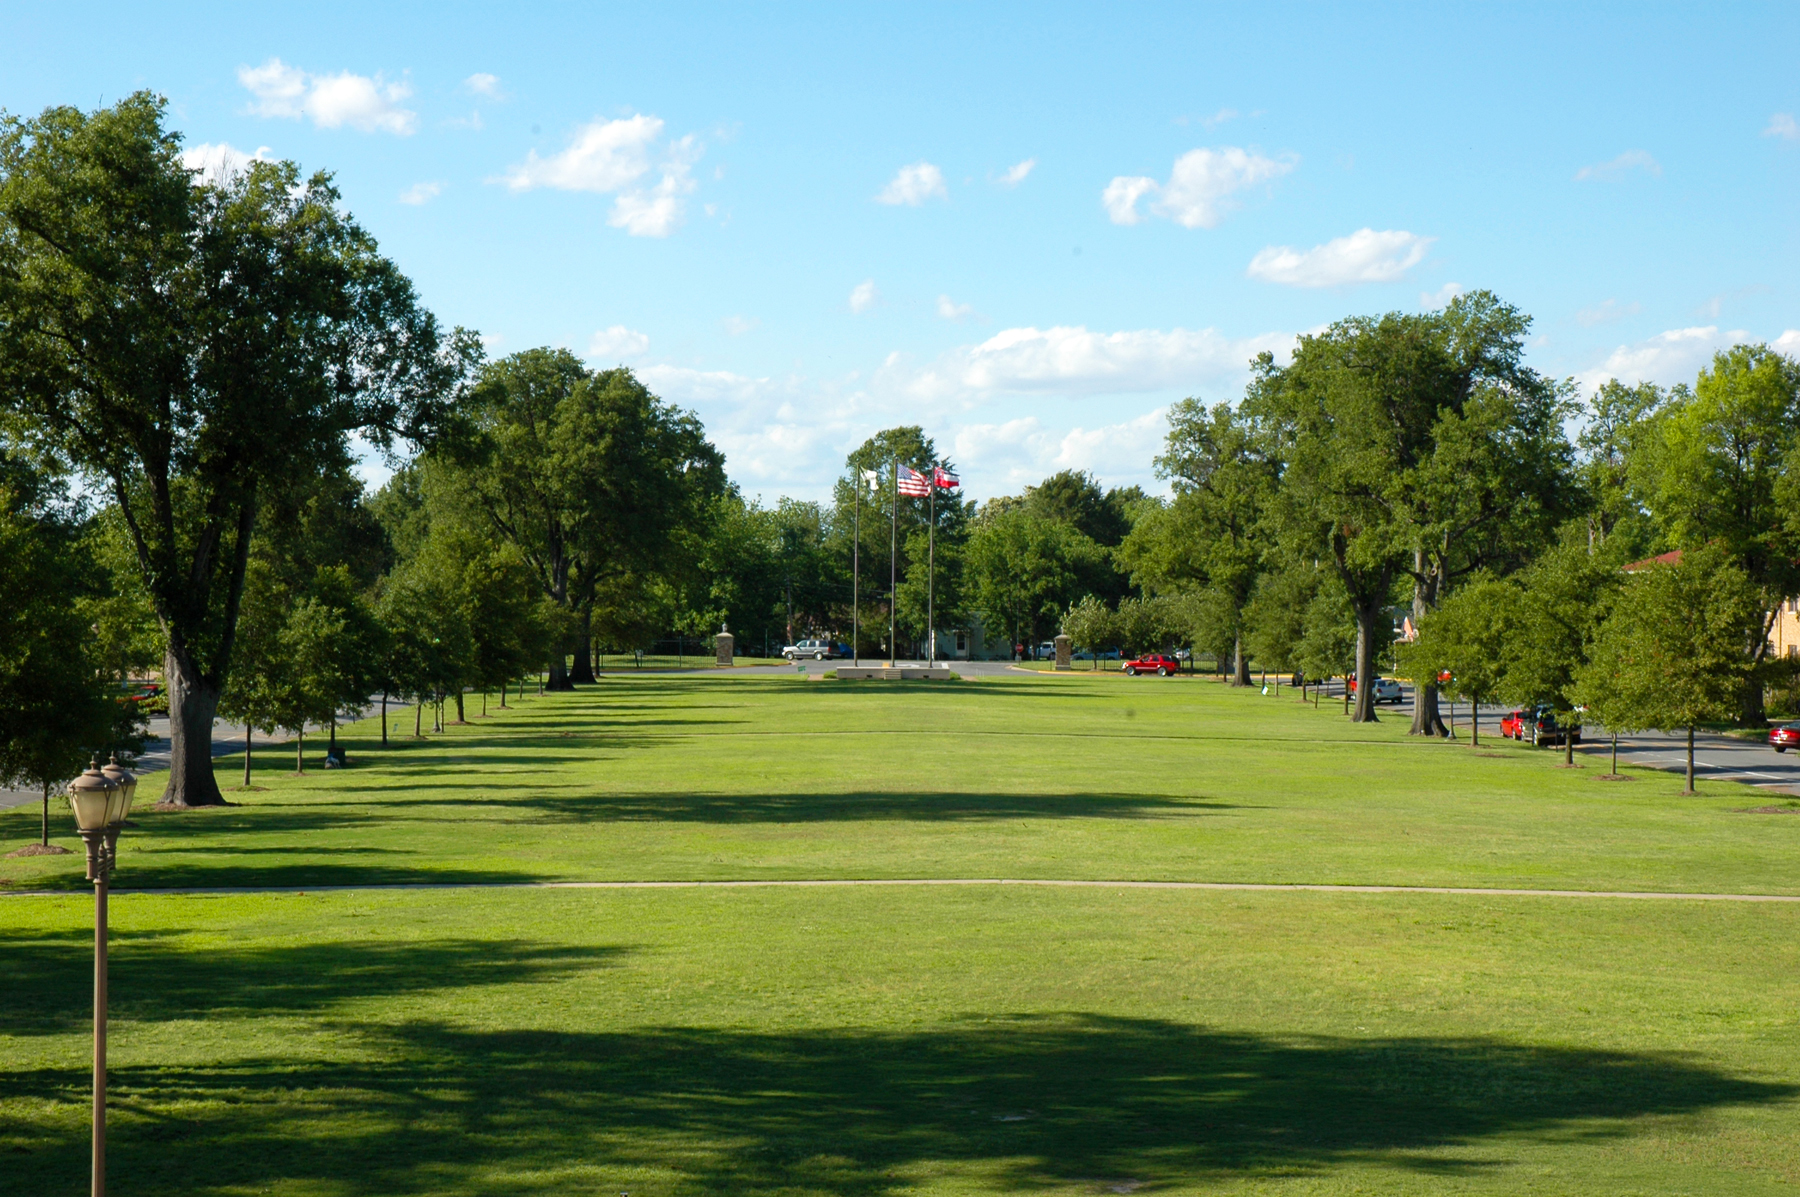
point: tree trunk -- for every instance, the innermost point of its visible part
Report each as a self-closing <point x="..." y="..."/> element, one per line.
<point x="419" y="721"/>
<point x="300" y="750"/>
<point x="1426" y="719"/>
<point x="1751" y="712"/>
<point x="559" y="674"/>
<point x="1568" y="745"/>
<point x="384" y="742"/>
<point x="331" y="744"/>
<point x="1368" y="618"/>
<point x="1690" y="760"/>
<point x="459" y="706"/>
<point x="1240" y="664"/>
<point x="46" y="814"/>
<point x="193" y="704"/>
<point x="583" y="672"/>
<point x="1475" y="722"/>
<point x="248" y="731"/>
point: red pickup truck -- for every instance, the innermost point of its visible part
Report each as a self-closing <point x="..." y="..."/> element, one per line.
<point x="1155" y="663"/>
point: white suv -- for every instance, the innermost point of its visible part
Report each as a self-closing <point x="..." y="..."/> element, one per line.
<point x="816" y="650"/>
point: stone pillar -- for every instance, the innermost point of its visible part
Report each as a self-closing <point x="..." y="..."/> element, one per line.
<point x="722" y="644"/>
<point x="1063" y="643"/>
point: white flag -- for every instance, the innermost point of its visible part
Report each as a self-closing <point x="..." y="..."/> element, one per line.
<point x="873" y="479"/>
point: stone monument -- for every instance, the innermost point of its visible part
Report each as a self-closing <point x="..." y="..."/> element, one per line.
<point x="722" y="646"/>
<point x="1063" y="644"/>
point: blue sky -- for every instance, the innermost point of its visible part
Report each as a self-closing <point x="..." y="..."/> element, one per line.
<point x="1027" y="228"/>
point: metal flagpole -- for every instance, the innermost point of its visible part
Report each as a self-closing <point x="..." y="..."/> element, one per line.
<point x="893" y="557"/>
<point x="931" y="573"/>
<point x="855" y="565"/>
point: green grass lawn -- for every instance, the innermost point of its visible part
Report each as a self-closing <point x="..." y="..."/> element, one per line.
<point x="1097" y="776"/>
<point x="858" y="1040"/>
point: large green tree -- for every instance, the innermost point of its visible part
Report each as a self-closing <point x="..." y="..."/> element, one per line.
<point x="1722" y="468"/>
<point x="1669" y="653"/>
<point x="184" y="343"/>
<point x="1212" y="539"/>
<point x="589" y="475"/>
<point x="1417" y="449"/>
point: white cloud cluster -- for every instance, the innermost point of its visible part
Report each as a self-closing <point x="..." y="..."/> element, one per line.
<point x="618" y="343"/>
<point x="216" y="162"/>
<point x="949" y="309"/>
<point x="1201" y="184"/>
<point x="1618" y="168"/>
<point x="483" y="84"/>
<point x="1676" y="355"/>
<point x="863" y="296"/>
<point x="1365" y="256"/>
<point x="1015" y="174"/>
<point x="913" y="185"/>
<point x="1073" y="360"/>
<point x="1788" y="343"/>
<point x="421" y="193"/>
<point x="1433" y="300"/>
<point x="617" y="157"/>
<point x="1782" y="125"/>
<point x="363" y="102"/>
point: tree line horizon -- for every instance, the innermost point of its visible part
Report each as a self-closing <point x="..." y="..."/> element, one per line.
<point x="199" y="351"/>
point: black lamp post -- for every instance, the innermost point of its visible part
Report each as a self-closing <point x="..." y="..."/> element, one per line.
<point x="101" y="799"/>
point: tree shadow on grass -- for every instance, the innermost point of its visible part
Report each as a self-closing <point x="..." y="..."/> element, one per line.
<point x="154" y="976"/>
<point x="926" y="806"/>
<point x="221" y="871"/>
<point x="1006" y="1104"/>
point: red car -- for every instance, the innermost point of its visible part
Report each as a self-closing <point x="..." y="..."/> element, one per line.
<point x="1539" y="725"/>
<point x="1784" y="736"/>
<point x="1155" y="663"/>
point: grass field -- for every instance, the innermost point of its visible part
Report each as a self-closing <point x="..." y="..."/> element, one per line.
<point x="877" y="1040"/>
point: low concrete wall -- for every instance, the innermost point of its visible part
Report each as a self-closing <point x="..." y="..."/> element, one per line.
<point x="851" y="673"/>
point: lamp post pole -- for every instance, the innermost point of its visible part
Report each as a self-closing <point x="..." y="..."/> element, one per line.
<point x="101" y="799"/>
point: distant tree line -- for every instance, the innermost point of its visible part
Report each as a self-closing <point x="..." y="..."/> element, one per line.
<point x="186" y="363"/>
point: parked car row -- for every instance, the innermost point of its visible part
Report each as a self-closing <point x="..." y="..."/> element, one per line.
<point x="1539" y="725"/>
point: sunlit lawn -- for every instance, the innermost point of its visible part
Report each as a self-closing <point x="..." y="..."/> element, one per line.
<point x="898" y="1040"/>
<point x="1083" y="776"/>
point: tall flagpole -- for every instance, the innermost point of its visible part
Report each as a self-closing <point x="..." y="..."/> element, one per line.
<point x="893" y="557"/>
<point x="931" y="573"/>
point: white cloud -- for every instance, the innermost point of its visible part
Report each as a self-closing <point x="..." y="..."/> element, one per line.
<point x="483" y="84"/>
<point x="1788" y="343"/>
<point x="617" y="343"/>
<point x="863" y="296"/>
<point x="1072" y="360"/>
<point x="363" y="102"/>
<point x="1667" y="358"/>
<point x="1782" y="125"/>
<point x="1015" y="174"/>
<point x="217" y="161"/>
<point x="737" y="326"/>
<point x="1432" y="300"/>
<point x="616" y="156"/>
<point x="1201" y="184"/>
<point x="1365" y="256"/>
<point x="421" y="193"/>
<point x="1218" y="118"/>
<point x="949" y="309"/>
<point x="913" y="185"/>
<point x="1606" y="312"/>
<point x="1618" y="168"/>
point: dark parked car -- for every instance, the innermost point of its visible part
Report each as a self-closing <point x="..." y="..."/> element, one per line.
<point x="1157" y="663"/>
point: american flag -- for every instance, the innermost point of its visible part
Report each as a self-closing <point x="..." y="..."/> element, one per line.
<point x="944" y="478"/>
<point x="914" y="483"/>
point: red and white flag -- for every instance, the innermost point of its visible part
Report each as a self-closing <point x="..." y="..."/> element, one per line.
<point x="944" y="478"/>
<point x="913" y="483"/>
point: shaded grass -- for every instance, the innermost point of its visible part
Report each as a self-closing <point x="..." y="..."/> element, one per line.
<point x="863" y="1042"/>
<point x="723" y="776"/>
